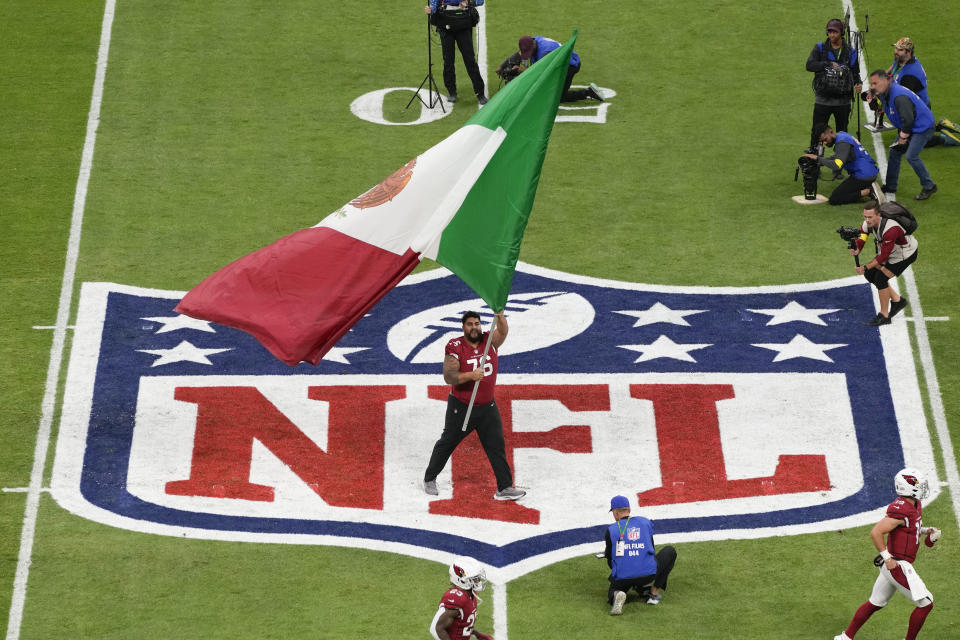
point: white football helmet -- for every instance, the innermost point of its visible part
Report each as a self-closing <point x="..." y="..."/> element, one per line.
<point x="911" y="483"/>
<point x="467" y="573"/>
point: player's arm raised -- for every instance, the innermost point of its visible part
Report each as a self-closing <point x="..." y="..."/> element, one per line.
<point x="499" y="330"/>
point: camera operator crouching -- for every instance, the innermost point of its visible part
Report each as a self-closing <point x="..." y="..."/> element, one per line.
<point x="896" y="250"/>
<point x="850" y="156"/>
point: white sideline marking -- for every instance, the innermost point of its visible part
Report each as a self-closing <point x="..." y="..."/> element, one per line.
<point x="920" y="327"/>
<point x="500" y="611"/>
<point x="482" y="48"/>
<point x="23" y="489"/>
<point x="930" y="319"/>
<point x="48" y="327"/>
<point x="59" y="335"/>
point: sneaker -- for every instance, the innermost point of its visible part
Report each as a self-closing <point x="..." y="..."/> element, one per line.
<point x="452" y="98"/>
<point x="842" y="636"/>
<point x="925" y="193"/>
<point x="619" y="597"/>
<point x="430" y="487"/>
<point x="594" y="92"/>
<point x="482" y="99"/>
<point x="879" y="320"/>
<point x="897" y="307"/>
<point x="510" y="493"/>
<point x="655" y="598"/>
<point x="887" y="189"/>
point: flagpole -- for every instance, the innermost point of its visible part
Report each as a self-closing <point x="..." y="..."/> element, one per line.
<point x="476" y="383"/>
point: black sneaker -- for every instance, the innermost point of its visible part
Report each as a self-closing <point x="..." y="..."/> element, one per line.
<point x="594" y="92"/>
<point x="925" y="193"/>
<point x="880" y="320"/>
<point x="885" y="189"/>
<point x="452" y="98"/>
<point x="482" y="99"/>
<point x="898" y="306"/>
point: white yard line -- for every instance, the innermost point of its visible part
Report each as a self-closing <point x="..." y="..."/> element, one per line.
<point x="48" y="405"/>
<point x="500" y="611"/>
<point x="482" y="47"/>
<point x="919" y="324"/>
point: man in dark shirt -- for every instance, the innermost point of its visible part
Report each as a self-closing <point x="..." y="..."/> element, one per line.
<point x="832" y="53"/>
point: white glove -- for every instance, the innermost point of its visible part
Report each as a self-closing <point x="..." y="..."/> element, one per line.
<point x="934" y="534"/>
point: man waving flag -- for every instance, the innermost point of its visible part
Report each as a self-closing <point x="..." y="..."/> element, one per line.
<point x="463" y="203"/>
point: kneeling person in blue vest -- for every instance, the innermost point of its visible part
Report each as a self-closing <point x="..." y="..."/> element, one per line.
<point x="634" y="562"/>
<point x="850" y="156"/>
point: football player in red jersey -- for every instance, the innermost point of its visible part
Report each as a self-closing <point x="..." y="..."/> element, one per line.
<point x="458" y="607"/>
<point x="463" y="366"/>
<point x="903" y="527"/>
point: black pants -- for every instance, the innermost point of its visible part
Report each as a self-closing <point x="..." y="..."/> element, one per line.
<point x="666" y="558"/>
<point x="575" y="94"/>
<point x="462" y="38"/>
<point x="822" y="113"/>
<point x="875" y="277"/>
<point x="849" y="190"/>
<point x="485" y="420"/>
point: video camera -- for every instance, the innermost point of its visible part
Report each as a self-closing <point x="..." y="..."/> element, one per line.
<point x="811" y="173"/>
<point x="850" y="235"/>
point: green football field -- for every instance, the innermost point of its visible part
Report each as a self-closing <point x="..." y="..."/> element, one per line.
<point x="223" y="126"/>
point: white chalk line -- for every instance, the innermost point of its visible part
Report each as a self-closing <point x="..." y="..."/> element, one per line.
<point x="48" y="404"/>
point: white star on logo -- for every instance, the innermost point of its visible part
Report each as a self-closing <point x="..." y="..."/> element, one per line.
<point x="800" y="347"/>
<point x="660" y="313"/>
<point x="339" y="354"/>
<point x="663" y="347"/>
<point x="173" y="323"/>
<point x="793" y="311"/>
<point x="183" y="352"/>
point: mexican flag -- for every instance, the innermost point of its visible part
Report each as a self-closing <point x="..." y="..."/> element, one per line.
<point x="463" y="203"/>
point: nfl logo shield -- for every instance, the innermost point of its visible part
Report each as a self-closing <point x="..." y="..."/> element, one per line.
<point x="719" y="412"/>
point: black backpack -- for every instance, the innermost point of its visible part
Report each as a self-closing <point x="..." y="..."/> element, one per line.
<point x="835" y="82"/>
<point x="899" y="214"/>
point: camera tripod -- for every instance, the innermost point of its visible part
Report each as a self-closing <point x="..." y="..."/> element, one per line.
<point x="432" y="88"/>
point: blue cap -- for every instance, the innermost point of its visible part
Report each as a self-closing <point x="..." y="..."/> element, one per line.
<point x="619" y="502"/>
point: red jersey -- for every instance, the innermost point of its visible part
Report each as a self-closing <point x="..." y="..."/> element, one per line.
<point x="902" y="542"/>
<point x="465" y="604"/>
<point x="469" y="358"/>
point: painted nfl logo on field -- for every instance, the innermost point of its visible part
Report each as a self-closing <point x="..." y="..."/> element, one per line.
<point x="720" y="412"/>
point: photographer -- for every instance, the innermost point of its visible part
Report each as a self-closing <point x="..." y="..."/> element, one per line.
<point x="896" y="250"/>
<point x="850" y="156"/>
<point x="906" y="70"/>
<point x="914" y="119"/>
<point x="835" y="67"/>
<point x="533" y="48"/>
<point x="455" y="20"/>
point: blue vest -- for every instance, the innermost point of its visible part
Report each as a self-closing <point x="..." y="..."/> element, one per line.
<point x="862" y="166"/>
<point x="914" y="68"/>
<point x="546" y="45"/>
<point x="638" y="558"/>
<point x="924" y="118"/>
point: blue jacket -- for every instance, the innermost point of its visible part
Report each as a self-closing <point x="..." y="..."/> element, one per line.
<point x="638" y="559"/>
<point x="546" y="45"/>
<point x="915" y="69"/>
<point x="862" y="166"/>
<point x="899" y="97"/>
